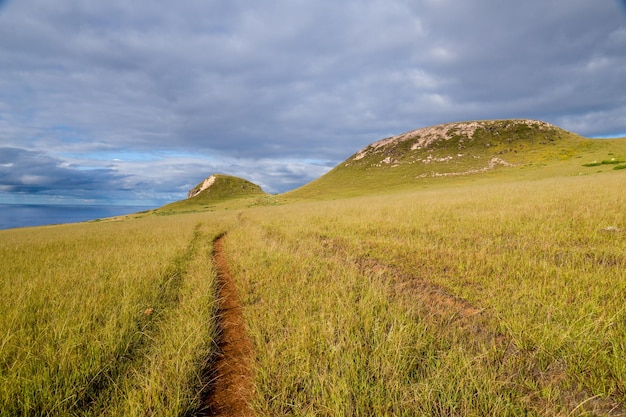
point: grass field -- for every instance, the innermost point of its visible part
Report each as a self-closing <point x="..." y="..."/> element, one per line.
<point x="477" y="298"/>
<point x="108" y="318"/>
<point x="486" y="300"/>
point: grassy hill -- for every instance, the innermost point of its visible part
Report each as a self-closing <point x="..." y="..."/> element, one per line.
<point x="451" y="154"/>
<point x="458" y="152"/>
<point x="218" y="190"/>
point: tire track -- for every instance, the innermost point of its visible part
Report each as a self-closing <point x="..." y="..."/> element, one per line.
<point x="438" y="303"/>
<point x="474" y="327"/>
<point x="472" y="324"/>
<point x="230" y="384"/>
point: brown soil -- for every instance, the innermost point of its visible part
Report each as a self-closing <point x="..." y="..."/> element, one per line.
<point x="231" y="386"/>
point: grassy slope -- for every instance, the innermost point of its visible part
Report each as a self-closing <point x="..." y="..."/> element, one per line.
<point x="227" y="192"/>
<point x="488" y="299"/>
<point x="535" y="152"/>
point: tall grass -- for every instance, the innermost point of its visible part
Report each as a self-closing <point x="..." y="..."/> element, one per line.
<point x="328" y="340"/>
<point x="169" y="380"/>
<point x="87" y="307"/>
<point x="482" y="299"/>
<point x="352" y="303"/>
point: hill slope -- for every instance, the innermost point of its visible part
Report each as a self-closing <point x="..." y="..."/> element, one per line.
<point x="452" y="150"/>
<point x="220" y="187"/>
<point x="216" y="189"/>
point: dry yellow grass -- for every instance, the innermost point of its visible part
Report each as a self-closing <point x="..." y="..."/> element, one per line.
<point x="481" y="299"/>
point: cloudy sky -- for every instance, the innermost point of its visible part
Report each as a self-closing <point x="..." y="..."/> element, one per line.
<point x="137" y="101"/>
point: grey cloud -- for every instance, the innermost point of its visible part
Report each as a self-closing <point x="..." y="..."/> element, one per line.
<point x="533" y="57"/>
<point x="23" y="171"/>
<point x="279" y="82"/>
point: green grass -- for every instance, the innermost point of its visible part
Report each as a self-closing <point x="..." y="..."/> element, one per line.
<point x="93" y="313"/>
<point x="342" y="328"/>
<point x="611" y="161"/>
<point x="533" y="153"/>
<point x="500" y="293"/>
<point x="226" y="193"/>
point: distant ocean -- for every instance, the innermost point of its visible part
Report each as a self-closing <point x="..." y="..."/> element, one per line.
<point x="22" y="215"/>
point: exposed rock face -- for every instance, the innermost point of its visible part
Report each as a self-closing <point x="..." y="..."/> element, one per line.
<point x="205" y="184"/>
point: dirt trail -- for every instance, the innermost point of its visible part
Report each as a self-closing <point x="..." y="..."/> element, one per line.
<point x="231" y="378"/>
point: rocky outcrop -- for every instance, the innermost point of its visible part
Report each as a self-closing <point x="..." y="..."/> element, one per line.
<point x="209" y="181"/>
<point x="220" y="187"/>
<point x="463" y="133"/>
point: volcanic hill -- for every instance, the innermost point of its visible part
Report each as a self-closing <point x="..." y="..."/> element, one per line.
<point x="217" y="189"/>
<point x="451" y="153"/>
<point x="453" y="150"/>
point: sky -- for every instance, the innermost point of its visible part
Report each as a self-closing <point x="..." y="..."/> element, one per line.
<point x="135" y="102"/>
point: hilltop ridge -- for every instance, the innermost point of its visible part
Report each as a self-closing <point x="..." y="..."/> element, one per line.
<point x="458" y="149"/>
<point x="216" y="189"/>
<point x="458" y="141"/>
<point x="221" y="187"/>
<point x="429" y="155"/>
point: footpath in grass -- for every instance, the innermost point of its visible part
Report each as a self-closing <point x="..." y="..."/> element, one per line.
<point x="229" y="375"/>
